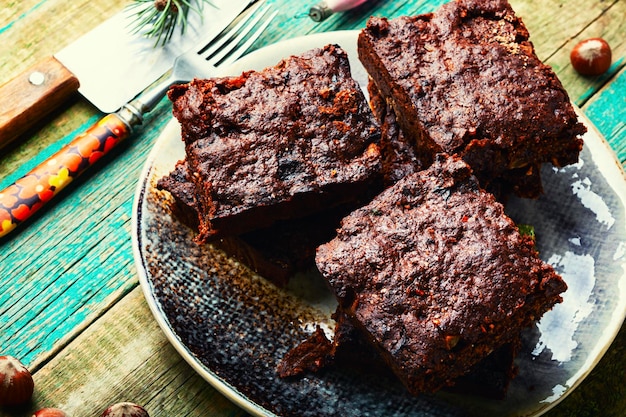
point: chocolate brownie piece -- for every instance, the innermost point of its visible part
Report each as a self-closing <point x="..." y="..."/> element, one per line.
<point x="399" y="155"/>
<point x="492" y="376"/>
<point x="278" y="143"/>
<point x="436" y="276"/>
<point x="276" y="252"/>
<point x="489" y="378"/>
<point x="312" y="355"/>
<point x="183" y="191"/>
<point x="277" y="268"/>
<point x="466" y="80"/>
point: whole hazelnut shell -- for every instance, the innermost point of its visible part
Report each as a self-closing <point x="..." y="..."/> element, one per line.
<point x="50" y="412"/>
<point x="125" y="409"/>
<point x="591" y="56"/>
<point x="16" y="382"/>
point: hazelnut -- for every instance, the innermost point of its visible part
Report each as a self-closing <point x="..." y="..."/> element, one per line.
<point x="16" y="382"/>
<point x="125" y="409"/>
<point x="591" y="56"/>
<point x="50" y="412"/>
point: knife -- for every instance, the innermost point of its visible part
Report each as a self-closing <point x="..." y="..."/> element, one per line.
<point x="108" y="65"/>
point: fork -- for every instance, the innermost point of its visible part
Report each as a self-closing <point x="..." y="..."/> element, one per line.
<point x="21" y="200"/>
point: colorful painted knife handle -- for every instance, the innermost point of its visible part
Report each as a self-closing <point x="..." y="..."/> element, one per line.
<point x="21" y="200"/>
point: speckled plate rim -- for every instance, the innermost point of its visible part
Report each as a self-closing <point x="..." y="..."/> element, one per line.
<point x="601" y="152"/>
<point x="615" y="176"/>
<point x="226" y="389"/>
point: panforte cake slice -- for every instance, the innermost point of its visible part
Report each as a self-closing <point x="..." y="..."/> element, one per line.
<point x="278" y="143"/>
<point x="436" y="276"/>
<point x="466" y="80"/>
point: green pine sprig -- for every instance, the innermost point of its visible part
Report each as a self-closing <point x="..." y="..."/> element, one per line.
<point x="159" y="19"/>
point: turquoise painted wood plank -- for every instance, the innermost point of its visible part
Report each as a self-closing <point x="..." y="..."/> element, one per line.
<point x="607" y="110"/>
<point x="596" y="83"/>
<point x="50" y="292"/>
<point x="292" y="21"/>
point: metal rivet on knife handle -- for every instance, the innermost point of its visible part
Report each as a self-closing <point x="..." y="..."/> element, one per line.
<point x="27" y="195"/>
<point x="23" y="102"/>
<point x="37" y="78"/>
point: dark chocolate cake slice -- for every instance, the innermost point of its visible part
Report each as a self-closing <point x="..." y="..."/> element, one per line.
<point x="466" y="80"/>
<point x="184" y="204"/>
<point x="489" y="378"/>
<point x="276" y="252"/>
<point x="436" y="276"/>
<point x="399" y="154"/>
<point x="279" y="143"/>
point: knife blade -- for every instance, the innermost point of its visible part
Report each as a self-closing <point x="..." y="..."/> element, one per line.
<point x="108" y="65"/>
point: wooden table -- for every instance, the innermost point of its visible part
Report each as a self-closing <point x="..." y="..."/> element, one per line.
<point x="70" y="305"/>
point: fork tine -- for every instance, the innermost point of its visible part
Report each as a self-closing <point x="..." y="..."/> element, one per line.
<point x="230" y="31"/>
<point x="240" y="50"/>
<point x="249" y="41"/>
<point x="216" y="53"/>
<point x="230" y="28"/>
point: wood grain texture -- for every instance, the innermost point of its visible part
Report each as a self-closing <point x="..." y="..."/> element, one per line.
<point x="33" y="94"/>
<point x="609" y="24"/>
<point x="69" y="303"/>
<point x="124" y="356"/>
<point x="609" y="118"/>
<point x="31" y="30"/>
<point x="86" y="262"/>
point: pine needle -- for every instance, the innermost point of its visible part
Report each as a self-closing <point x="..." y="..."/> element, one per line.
<point x="159" y="19"/>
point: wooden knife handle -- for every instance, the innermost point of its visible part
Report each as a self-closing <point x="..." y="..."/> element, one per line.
<point x="27" y="195"/>
<point x="32" y="95"/>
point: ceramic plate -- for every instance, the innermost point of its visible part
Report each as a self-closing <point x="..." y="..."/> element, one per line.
<point x="233" y="326"/>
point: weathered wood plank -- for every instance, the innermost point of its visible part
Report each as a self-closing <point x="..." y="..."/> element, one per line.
<point x="610" y="118"/>
<point x="610" y="25"/>
<point x="124" y="356"/>
<point x="88" y="252"/>
<point x="552" y="23"/>
<point x="33" y="29"/>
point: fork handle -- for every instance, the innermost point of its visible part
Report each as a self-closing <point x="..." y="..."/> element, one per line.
<point x="33" y="95"/>
<point x="27" y="195"/>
